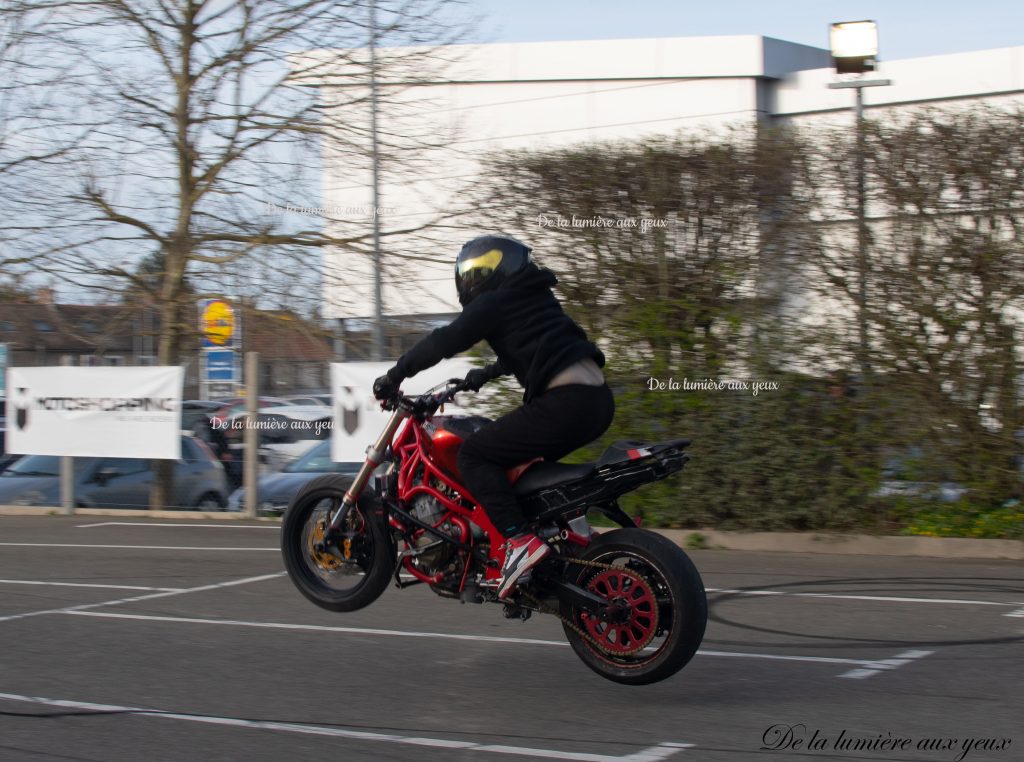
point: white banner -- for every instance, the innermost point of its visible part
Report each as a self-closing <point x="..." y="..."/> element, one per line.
<point x="106" y="412"/>
<point x="358" y="419"/>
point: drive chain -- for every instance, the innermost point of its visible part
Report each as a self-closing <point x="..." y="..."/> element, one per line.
<point x="545" y="609"/>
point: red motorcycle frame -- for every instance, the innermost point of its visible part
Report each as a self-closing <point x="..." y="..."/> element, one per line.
<point x="435" y="458"/>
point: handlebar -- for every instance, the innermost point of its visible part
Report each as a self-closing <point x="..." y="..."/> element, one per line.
<point x="426" y="404"/>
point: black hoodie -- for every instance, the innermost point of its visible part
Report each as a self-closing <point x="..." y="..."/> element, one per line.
<point x="525" y="326"/>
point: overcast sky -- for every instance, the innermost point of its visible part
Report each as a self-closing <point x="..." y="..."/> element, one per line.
<point x="907" y="28"/>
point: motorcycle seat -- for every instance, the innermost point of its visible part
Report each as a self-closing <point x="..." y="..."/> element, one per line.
<point x="548" y="473"/>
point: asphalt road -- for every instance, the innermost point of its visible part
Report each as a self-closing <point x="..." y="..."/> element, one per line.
<point x="126" y="639"/>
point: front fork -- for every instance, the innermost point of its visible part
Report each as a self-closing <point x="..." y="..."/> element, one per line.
<point x="374" y="457"/>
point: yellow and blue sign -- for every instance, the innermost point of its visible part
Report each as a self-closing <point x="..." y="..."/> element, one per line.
<point x="217" y="324"/>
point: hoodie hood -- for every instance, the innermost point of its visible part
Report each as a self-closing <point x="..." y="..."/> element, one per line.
<point x="530" y="277"/>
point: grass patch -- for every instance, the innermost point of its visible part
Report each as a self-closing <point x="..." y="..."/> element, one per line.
<point x="958" y="520"/>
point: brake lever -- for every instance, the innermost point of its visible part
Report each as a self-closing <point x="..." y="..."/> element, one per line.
<point x="392" y="403"/>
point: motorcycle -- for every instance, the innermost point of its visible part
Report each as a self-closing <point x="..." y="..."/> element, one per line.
<point x="631" y="603"/>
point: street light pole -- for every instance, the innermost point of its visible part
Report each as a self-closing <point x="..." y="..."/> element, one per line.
<point x="854" y="47"/>
<point x="862" y="243"/>
<point x="378" y="296"/>
<point x="860" y="159"/>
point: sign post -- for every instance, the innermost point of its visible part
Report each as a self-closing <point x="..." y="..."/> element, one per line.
<point x="220" y="373"/>
<point x="251" y="465"/>
<point x="3" y="370"/>
<point x="67" y="484"/>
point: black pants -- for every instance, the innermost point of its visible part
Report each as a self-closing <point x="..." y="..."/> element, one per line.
<point x="550" y="426"/>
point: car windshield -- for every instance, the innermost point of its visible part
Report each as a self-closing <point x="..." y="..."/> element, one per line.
<point x="35" y="465"/>
<point x="318" y="461"/>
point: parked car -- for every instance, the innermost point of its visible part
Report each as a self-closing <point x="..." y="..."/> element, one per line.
<point x="285" y="432"/>
<point x="276" y="490"/>
<point x="6" y="458"/>
<point x="196" y="412"/>
<point x="232" y="407"/>
<point x="199" y="481"/>
<point x="906" y="474"/>
<point x="939" y="492"/>
<point x="308" y="399"/>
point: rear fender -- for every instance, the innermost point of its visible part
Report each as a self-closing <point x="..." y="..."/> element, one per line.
<point x="614" y="511"/>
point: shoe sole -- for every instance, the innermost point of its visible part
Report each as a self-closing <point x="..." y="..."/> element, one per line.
<point x="509" y="584"/>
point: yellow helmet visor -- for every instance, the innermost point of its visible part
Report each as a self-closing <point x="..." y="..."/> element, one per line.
<point x="485" y="264"/>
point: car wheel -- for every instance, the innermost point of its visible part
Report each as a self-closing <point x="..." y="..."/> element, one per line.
<point x="210" y="501"/>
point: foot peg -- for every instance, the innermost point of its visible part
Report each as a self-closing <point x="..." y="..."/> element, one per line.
<point x="514" y="611"/>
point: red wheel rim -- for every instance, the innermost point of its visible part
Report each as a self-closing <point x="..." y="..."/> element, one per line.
<point x="637" y="622"/>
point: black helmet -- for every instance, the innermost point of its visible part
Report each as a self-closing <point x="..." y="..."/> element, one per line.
<point x="485" y="262"/>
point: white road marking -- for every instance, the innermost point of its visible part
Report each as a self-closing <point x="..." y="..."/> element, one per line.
<point x="787" y="657"/>
<point x="318" y="628"/>
<point x="151" y="596"/>
<point x="881" y="598"/>
<point x="1018" y="613"/>
<point x="162" y="524"/>
<point x="650" y="754"/>
<point x="84" y="584"/>
<point x="874" y="668"/>
<point x="125" y="547"/>
<point x="872" y="665"/>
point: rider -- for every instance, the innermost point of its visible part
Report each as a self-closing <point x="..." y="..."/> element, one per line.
<point x="507" y="301"/>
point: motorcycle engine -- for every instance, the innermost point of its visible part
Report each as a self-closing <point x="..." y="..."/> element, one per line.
<point x="429" y="510"/>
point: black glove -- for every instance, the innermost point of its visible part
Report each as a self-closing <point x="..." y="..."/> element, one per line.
<point x="387" y="386"/>
<point x="477" y="378"/>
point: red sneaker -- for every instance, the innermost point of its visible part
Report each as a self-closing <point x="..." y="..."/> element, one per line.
<point x="521" y="553"/>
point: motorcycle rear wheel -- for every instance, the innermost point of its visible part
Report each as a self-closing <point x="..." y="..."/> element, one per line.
<point x="328" y="581"/>
<point x="662" y="602"/>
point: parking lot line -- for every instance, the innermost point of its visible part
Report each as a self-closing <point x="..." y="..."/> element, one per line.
<point x="317" y="628"/>
<point x="867" y="666"/>
<point x="650" y="754"/>
<point x="127" y="547"/>
<point x="88" y="584"/>
<point x="887" y="664"/>
<point x="138" y="598"/>
<point x="851" y="597"/>
<point x="159" y="524"/>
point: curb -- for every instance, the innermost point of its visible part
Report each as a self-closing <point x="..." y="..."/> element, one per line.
<point x="691" y="539"/>
<point x="847" y="544"/>
<point x="48" y="511"/>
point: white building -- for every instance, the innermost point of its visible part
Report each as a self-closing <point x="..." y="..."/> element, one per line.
<point x="545" y="95"/>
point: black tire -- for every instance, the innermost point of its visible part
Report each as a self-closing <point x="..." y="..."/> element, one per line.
<point x="327" y="581"/>
<point x="208" y="499"/>
<point x="672" y="585"/>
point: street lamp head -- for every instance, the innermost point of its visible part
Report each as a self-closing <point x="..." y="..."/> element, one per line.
<point x="854" y="46"/>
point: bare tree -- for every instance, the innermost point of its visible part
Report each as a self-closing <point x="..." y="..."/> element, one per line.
<point x="179" y="131"/>
<point x="946" y="283"/>
<point x="660" y="245"/>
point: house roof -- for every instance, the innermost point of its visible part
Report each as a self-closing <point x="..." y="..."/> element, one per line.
<point x="74" y="328"/>
<point x="118" y="330"/>
<point x="283" y="335"/>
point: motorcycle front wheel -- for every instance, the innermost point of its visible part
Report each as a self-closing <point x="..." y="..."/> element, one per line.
<point x="361" y="573"/>
<point x="657" y="604"/>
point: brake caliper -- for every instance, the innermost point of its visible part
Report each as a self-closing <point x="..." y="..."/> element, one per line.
<point x="324" y="559"/>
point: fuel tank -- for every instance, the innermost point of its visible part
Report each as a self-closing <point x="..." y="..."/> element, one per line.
<point x="447" y="433"/>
